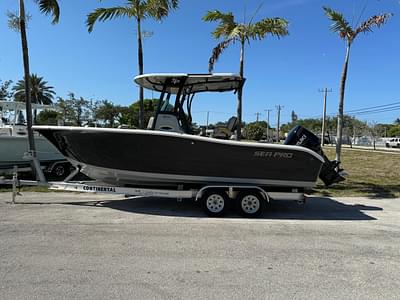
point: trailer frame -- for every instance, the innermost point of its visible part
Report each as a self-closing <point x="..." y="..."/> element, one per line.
<point x="225" y="192"/>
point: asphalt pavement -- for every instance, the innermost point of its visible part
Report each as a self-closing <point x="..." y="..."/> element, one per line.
<point x="84" y="246"/>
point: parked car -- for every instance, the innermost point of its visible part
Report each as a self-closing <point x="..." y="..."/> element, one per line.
<point x="393" y="143"/>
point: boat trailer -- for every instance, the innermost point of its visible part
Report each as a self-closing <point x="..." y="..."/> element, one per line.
<point x="250" y="200"/>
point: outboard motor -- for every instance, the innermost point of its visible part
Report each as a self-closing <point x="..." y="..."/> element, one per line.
<point x="300" y="136"/>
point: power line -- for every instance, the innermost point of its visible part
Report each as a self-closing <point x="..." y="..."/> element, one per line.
<point x="372" y="107"/>
<point x="368" y="110"/>
<point x="377" y="111"/>
<point x="384" y="108"/>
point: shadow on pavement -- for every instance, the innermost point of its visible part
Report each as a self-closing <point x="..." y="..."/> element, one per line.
<point x="320" y="208"/>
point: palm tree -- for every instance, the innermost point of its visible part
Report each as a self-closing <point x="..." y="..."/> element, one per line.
<point x="47" y="7"/>
<point x="138" y="10"/>
<point x="39" y="91"/>
<point x="231" y="31"/>
<point x="348" y="33"/>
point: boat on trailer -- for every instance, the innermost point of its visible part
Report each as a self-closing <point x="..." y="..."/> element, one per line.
<point x="168" y="155"/>
<point x="14" y="150"/>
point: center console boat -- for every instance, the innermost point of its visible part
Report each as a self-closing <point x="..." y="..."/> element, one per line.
<point x="168" y="154"/>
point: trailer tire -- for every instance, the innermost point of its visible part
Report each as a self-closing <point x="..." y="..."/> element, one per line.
<point x="215" y="202"/>
<point x="250" y="204"/>
<point x="60" y="171"/>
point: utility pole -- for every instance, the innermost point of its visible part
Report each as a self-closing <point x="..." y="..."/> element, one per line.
<point x="257" y="114"/>
<point x="279" y="108"/>
<point x="208" y="115"/>
<point x="268" y="110"/>
<point x="325" y="91"/>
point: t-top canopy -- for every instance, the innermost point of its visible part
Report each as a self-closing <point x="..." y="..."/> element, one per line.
<point x="191" y="83"/>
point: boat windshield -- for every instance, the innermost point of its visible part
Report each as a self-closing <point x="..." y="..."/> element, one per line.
<point x="12" y="118"/>
<point x="166" y="106"/>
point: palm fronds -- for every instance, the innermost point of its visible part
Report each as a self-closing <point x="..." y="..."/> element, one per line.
<point x="216" y="52"/>
<point x="233" y="31"/>
<point x="104" y="14"/>
<point x="346" y="32"/>
<point x="377" y="21"/>
<point x="226" y="22"/>
<point x="277" y="27"/>
<point x="216" y="15"/>
<point x="40" y="92"/>
<point x="50" y="7"/>
<point x="339" y="24"/>
<point x="159" y="9"/>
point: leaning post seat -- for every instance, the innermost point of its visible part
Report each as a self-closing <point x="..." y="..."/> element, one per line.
<point x="232" y="124"/>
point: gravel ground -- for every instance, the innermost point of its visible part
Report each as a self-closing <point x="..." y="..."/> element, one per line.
<point x="82" y="246"/>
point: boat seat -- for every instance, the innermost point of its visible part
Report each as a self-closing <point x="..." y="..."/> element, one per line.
<point x="232" y="124"/>
<point x="225" y="132"/>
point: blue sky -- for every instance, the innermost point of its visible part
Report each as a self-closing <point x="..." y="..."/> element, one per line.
<point x="289" y="71"/>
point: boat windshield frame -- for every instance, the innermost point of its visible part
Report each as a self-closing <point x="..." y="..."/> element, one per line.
<point x="12" y="112"/>
<point x="185" y="90"/>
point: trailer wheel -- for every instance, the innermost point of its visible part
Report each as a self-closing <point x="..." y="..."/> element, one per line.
<point x="215" y="203"/>
<point x="250" y="204"/>
<point x="61" y="170"/>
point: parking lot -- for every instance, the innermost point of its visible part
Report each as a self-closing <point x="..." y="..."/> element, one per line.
<point x="84" y="246"/>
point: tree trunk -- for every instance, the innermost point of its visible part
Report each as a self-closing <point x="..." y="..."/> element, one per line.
<point x="339" y="132"/>
<point x="140" y="62"/>
<point x="240" y="94"/>
<point x="28" y="105"/>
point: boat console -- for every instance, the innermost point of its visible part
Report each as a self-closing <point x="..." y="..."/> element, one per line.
<point x="165" y="122"/>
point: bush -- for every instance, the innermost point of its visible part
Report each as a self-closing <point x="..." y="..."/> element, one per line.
<point x="254" y="131"/>
<point x="394" y="131"/>
<point x="48" y="117"/>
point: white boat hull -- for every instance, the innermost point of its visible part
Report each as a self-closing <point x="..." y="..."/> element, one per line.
<point x="14" y="150"/>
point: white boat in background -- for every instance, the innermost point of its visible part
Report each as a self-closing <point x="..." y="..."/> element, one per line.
<point x="14" y="149"/>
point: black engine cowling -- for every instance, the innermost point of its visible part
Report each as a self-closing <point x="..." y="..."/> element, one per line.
<point x="300" y="136"/>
